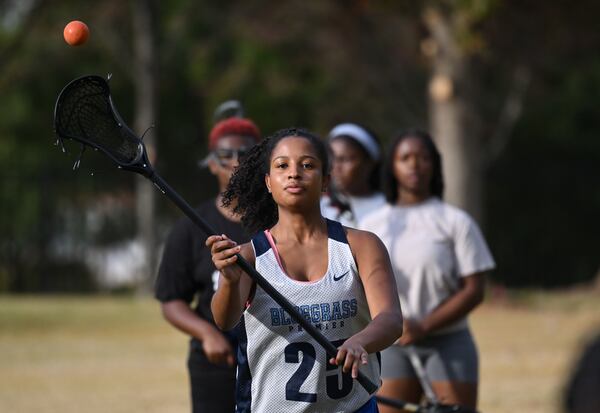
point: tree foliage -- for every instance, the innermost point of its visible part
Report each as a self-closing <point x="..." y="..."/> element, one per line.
<point x="299" y="63"/>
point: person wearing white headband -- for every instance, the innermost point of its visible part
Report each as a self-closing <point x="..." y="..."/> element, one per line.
<point x="354" y="189"/>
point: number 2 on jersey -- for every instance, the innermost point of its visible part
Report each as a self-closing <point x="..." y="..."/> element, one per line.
<point x="335" y="389"/>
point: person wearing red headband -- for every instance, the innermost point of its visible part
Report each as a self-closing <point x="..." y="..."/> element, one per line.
<point x="187" y="275"/>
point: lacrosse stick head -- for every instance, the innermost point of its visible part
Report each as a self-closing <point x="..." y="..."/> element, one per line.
<point x="85" y="113"/>
<point x="228" y="109"/>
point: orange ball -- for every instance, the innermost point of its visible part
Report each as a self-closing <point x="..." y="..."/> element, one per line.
<point x="76" y="33"/>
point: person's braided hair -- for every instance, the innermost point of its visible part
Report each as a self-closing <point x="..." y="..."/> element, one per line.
<point x="247" y="190"/>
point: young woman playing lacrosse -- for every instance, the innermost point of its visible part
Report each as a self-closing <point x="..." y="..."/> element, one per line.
<point x="439" y="258"/>
<point x="187" y="274"/>
<point x="339" y="278"/>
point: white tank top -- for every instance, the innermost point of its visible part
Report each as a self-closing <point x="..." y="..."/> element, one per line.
<point x="281" y="368"/>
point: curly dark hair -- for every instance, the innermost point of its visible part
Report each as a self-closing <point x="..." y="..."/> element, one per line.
<point x="389" y="182"/>
<point x="247" y="190"/>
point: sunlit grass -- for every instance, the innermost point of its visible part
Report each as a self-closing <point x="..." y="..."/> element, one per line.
<point x="62" y="354"/>
<point x="117" y="354"/>
<point x="528" y="345"/>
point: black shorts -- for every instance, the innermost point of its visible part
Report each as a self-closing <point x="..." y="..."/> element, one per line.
<point x="212" y="386"/>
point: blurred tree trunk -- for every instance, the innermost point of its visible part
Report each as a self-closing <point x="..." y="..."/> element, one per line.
<point x="456" y="120"/>
<point x="145" y="79"/>
<point x="453" y="119"/>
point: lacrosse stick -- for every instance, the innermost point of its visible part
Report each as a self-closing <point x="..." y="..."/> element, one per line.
<point x="418" y="408"/>
<point x="228" y="109"/>
<point x="401" y="405"/>
<point x="85" y="113"/>
<point x="415" y="361"/>
<point x="432" y="403"/>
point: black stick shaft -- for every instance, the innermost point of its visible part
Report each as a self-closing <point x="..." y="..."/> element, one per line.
<point x="428" y="408"/>
<point x="399" y="404"/>
<point x="331" y="350"/>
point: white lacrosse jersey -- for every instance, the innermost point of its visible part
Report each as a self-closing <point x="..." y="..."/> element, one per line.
<point x="281" y="368"/>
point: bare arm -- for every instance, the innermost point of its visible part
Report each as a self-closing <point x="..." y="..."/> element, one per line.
<point x="229" y="301"/>
<point x="216" y="347"/>
<point x="457" y="306"/>
<point x="377" y="277"/>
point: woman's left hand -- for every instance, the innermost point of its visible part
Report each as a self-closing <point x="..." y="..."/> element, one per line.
<point x="350" y="356"/>
<point x="412" y="332"/>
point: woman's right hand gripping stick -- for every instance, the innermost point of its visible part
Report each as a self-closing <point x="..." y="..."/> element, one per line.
<point x="223" y="251"/>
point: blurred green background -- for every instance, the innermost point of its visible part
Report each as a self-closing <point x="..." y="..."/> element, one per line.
<point x="508" y="88"/>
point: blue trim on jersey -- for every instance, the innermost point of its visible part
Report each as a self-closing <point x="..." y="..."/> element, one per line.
<point x="261" y="244"/>
<point x="369" y="407"/>
<point x="243" y="392"/>
<point x="335" y="231"/>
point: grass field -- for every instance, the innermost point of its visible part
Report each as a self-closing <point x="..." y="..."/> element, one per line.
<point x="116" y="354"/>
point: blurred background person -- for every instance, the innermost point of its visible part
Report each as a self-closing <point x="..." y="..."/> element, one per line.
<point x="354" y="189"/>
<point x="583" y="388"/>
<point x="439" y="258"/>
<point x="187" y="275"/>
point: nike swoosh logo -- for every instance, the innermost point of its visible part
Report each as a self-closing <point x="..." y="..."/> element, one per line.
<point x="336" y="278"/>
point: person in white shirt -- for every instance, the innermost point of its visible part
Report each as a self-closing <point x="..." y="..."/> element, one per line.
<point x="439" y="258"/>
<point x="354" y="190"/>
